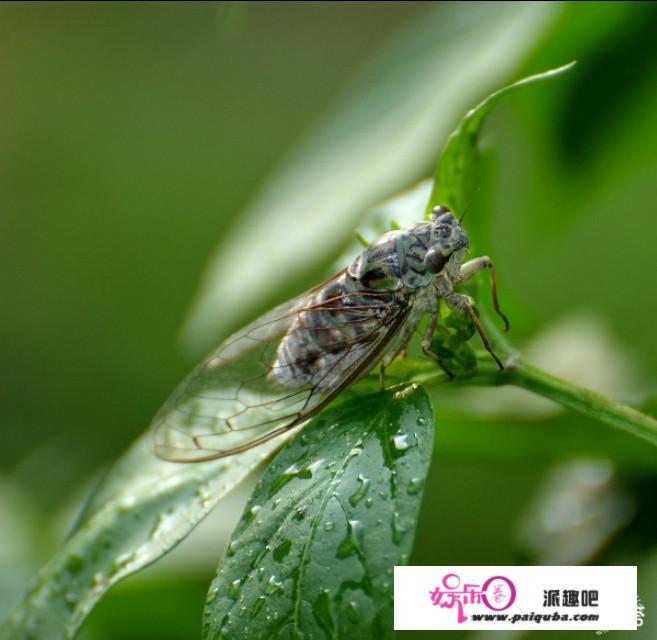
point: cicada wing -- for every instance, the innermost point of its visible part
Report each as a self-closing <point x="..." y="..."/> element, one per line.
<point x="277" y="372"/>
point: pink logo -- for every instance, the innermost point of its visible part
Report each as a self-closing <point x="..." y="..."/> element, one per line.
<point x="497" y="593"/>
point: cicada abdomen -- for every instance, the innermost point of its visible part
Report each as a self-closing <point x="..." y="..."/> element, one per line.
<point x="331" y="335"/>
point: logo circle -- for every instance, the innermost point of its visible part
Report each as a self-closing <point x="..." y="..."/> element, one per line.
<point x="512" y="590"/>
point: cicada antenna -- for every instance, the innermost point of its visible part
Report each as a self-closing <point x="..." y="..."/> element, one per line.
<point x="465" y="211"/>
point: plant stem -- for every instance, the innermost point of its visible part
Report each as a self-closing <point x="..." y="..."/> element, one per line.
<point x="519" y="373"/>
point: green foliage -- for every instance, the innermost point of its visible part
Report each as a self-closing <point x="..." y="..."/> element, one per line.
<point x="455" y="176"/>
<point x="307" y="515"/>
<point x="574" y="158"/>
<point x="334" y="512"/>
<point x="141" y="509"/>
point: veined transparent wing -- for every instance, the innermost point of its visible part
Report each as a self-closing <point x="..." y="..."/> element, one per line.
<point x="278" y="371"/>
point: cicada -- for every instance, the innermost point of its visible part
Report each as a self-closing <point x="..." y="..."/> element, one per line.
<point x="277" y="372"/>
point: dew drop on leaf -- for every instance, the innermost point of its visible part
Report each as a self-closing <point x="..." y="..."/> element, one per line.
<point x="234" y="589"/>
<point x="397" y="529"/>
<point x="359" y="494"/>
<point x="322" y="613"/>
<point x="212" y="594"/>
<point x="274" y="584"/>
<point x="350" y="545"/>
<point x="259" y="603"/>
<point x="352" y="613"/>
<point x="281" y="551"/>
<point x="400" y="441"/>
<point x="414" y="486"/>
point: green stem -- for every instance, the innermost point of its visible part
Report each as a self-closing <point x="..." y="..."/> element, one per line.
<point x="519" y="373"/>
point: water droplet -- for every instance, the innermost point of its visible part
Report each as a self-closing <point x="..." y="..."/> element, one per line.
<point x="212" y="594"/>
<point x="398" y="529"/>
<point x="263" y="552"/>
<point x="352" y="613"/>
<point x="273" y="585"/>
<point x="414" y="486"/>
<point x="259" y="603"/>
<point x="205" y="497"/>
<point x="252" y="512"/>
<point x="322" y="613"/>
<point x="292" y="472"/>
<point x="369" y="502"/>
<point x="328" y="525"/>
<point x="299" y="513"/>
<point x="359" y="494"/>
<point x="276" y="503"/>
<point x="234" y="589"/>
<point x="421" y="421"/>
<point x="282" y="550"/>
<point x="350" y="545"/>
<point x="400" y="441"/>
<point x="232" y="549"/>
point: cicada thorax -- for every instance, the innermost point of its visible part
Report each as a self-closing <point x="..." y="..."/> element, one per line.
<point x="396" y="260"/>
<point x="329" y="335"/>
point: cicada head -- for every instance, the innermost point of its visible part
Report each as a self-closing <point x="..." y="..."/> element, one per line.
<point x="449" y="241"/>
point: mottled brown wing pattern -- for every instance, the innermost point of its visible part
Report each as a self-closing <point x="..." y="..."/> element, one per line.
<point x="277" y="372"/>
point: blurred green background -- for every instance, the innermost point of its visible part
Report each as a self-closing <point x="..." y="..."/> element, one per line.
<point x="133" y="138"/>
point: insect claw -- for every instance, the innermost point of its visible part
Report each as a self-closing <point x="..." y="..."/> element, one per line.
<point x="439" y="362"/>
<point x="497" y="360"/>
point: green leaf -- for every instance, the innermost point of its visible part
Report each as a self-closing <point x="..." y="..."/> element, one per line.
<point x="140" y="511"/>
<point x="454" y="179"/>
<point x="378" y="137"/>
<point x="314" y="552"/>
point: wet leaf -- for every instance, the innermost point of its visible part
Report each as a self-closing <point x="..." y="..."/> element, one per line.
<point x="314" y="552"/>
<point x="454" y="179"/>
<point x="140" y="511"/>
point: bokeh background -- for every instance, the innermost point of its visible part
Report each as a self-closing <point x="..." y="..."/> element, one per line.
<point x="134" y="141"/>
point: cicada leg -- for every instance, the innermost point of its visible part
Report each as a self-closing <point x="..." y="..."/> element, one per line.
<point x="426" y="343"/>
<point x="471" y="268"/>
<point x="464" y="303"/>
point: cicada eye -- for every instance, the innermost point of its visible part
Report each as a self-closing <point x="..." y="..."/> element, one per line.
<point x="439" y="210"/>
<point x="435" y="260"/>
